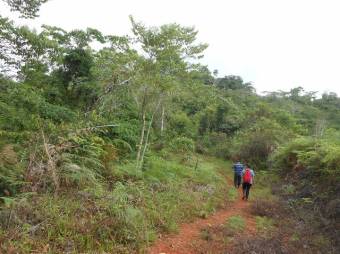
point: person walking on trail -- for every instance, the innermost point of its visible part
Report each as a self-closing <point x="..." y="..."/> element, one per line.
<point x="238" y="168"/>
<point x="247" y="181"/>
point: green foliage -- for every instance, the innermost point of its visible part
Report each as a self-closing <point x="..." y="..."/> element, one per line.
<point x="74" y="118"/>
<point x="28" y="9"/>
<point x="182" y="125"/>
<point x="232" y="194"/>
<point x="182" y="145"/>
<point x="23" y="109"/>
<point x="77" y="64"/>
<point x="11" y="171"/>
<point x="125" y="216"/>
<point x="313" y="164"/>
<point x="318" y="159"/>
<point x="236" y="223"/>
<point x="257" y="142"/>
<point x="234" y="83"/>
<point x="264" y="224"/>
<point x="215" y="144"/>
<point x="264" y="180"/>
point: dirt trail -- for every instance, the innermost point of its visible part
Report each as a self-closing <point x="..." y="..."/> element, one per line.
<point x="189" y="234"/>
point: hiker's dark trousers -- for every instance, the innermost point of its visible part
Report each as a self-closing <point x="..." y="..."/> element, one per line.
<point x="237" y="180"/>
<point x="246" y="188"/>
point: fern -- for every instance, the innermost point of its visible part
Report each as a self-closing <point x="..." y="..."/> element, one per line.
<point x="73" y="174"/>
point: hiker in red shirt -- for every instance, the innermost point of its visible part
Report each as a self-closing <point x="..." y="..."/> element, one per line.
<point x="247" y="181"/>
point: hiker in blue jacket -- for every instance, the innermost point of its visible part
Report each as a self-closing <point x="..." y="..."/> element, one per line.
<point x="238" y="168"/>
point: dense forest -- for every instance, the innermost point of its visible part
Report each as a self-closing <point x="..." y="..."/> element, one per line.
<point x="105" y="140"/>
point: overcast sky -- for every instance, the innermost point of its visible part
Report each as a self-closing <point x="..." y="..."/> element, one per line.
<point x="276" y="44"/>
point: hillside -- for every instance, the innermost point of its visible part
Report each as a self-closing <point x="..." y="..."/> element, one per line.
<point x="106" y="149"/>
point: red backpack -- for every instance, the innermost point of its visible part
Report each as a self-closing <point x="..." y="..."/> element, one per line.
<point x="247" y="176"/>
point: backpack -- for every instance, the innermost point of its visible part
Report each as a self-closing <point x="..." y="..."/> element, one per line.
<point x="247" y="176"/>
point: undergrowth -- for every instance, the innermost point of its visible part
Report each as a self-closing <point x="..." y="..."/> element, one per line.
<point x="235" y="223"/>
<point x="122" y="215"/>
<point x="278" y="228"/>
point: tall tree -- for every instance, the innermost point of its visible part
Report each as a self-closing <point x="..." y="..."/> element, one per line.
<point x="234" y="83"/>
<point x="166" y="54"/>
<point x="27" y="8"/>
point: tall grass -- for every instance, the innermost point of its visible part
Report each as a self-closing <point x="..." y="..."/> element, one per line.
<point x="122" y="214"/>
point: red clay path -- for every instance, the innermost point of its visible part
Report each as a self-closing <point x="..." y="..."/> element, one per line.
<point x="182" y="243"/>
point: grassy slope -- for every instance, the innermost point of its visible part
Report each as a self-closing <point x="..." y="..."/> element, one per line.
<point x="278" y="229"/>
<point x="122" y="215"/>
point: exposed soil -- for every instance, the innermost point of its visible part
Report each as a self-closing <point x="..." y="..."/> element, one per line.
<point x="189" y="236"/>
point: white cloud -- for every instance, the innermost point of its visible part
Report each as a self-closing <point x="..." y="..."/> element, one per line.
<point x="274" y="43"/>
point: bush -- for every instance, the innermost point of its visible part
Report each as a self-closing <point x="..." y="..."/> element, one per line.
<point x="269" y="208"/>
<point x="182" y="125"/>
<point x="11" y="171"/>
<point x="257" y="143"/>
<point x="316" y="158"/>
<point x="215" y="144"/>
<point x="312" y="165"/>
<point x="23" y="108"/>
<point x="182" y="145"/>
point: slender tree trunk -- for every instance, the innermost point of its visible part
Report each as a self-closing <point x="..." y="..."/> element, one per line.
<point x="146" y="142"/>
<point x="141" y="141"/>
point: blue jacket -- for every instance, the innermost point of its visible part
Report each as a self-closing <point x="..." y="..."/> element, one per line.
<point x="238" y="168"/>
